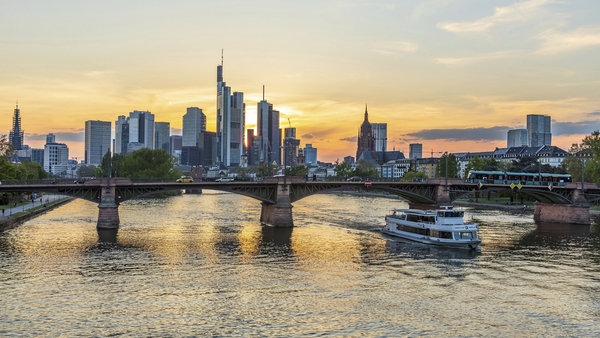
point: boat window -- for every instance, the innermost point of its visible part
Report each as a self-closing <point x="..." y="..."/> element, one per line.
<point x="463" y="235"/>
<point x="434" y="233"/>
<point x="445" y="234"/>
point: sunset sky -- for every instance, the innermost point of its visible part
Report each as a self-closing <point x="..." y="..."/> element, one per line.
<point x="454" y="75"/>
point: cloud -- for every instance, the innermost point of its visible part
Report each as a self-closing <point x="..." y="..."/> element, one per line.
<point x="575" y="128"/>
<point x="308" y="136"/>
<point x="469" y="134"/>
<point x="396" y="47"/>
<point x="61" y="137"/>
<point x="520" y="11"/>
<point x="461" y="61"/>
<point x="595" y="113"/>
<point x="554" y="42"/>
<point x="350" y="139"/>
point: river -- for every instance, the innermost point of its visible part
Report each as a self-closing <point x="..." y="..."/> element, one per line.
<point x="201" y="265"/>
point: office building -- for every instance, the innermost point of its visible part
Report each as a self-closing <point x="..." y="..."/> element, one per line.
<point x="291" y="145"/>
<point x="138" y="128"/>
<point x="539" y="131"/>
<point x="162" y="131"/>
<point x="56" y="158"/>
<point x="310" y="154"/>
<point x="16" y="135"/>
<point x="97" y="141"/>
<point x="50" y="138"/>
<point x="415" y="150"/>
<point x="380" y="136"/>
<point x="517" y="138"/>
<point x="268" y="133"/>
<point x="231" y="112"/>
<point x="194" y="124"/>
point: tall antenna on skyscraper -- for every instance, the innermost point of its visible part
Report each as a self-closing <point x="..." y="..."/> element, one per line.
<point x="221" y="56"/>
<point x="263" y="92"/>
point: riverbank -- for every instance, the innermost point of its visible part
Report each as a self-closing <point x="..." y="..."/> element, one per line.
<point x="16" y="218"/>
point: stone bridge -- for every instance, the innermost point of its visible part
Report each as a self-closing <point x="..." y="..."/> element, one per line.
<point x="567" y="204"/>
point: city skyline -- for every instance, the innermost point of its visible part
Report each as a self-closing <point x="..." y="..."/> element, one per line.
<point x="451" y="75"/>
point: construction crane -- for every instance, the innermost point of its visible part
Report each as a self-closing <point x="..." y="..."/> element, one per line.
<point x="290" y="122"/>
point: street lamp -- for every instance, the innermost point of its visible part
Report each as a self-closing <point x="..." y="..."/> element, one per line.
<point x="446" y="154"/>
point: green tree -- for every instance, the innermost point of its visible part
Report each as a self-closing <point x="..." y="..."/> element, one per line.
<point x="86" y="170"/>
<point x="342" y="169"/>
<point x="451" y="163"/>
<point x="8" y="171"/>
<point x="266" y="170"/>
<point x="366" y="169"/>
<point x="29" y="170"/>
<point x="584" y="158"/>
<point x="525" y="164"/>
<point x="411" y="176"/>
<point x="142" y="163"/>
<point x="297" y="170"/>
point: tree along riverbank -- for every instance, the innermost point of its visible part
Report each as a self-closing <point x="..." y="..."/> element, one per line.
<point x="16" y="218"/>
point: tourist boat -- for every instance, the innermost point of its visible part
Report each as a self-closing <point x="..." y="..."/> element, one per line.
<point x="444" y="227"/>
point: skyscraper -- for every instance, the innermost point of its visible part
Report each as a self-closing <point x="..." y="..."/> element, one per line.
<point x="268" y="133"/>
<point x="230" y="122"/>
<point x="97" y="141"/>
<point x="194" y="123"/>
<point x="538" y="130"/>
<point x="310" y="154"/>
<point x="380" y="136"/>
<point x="162" y="132"/>
<point x="415" y="150"/>
<point x="134" y="132"/>
<point x="141" y="128"/>
<point x="517" y="138"/>
<point x="291" y="144"/>
<point x="121" y="135"/>
<point x="16" y="136"/>
<point x="366" y="141"/>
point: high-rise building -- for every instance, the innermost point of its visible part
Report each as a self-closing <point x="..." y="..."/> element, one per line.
<point x="162" y="131"/>
<point x="194" y="124"/>
<point x="121" y="135"/>
<point x="380" y="136"/>
<point x="141" y="128"/>
<point x="268" y="132"/>
<point x="310" y="154"/>
<point x="539" y="131"/>
<point x="97" y="141"/>
<point x="517" y="138"/>
<point x="366" y="141"/>
<point x="56" y="158"/>
<point x="50" y="138"/>
<point x="251" y="147"/>
<point x="415" y="150"/>
<point x="16" y="135"/>
<point x="290" y="145"/>
<point x="134" y="132"/>
<point x="230" y="123"/>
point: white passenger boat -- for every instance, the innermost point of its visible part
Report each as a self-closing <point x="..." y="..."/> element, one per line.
<point x="444" y="227"/>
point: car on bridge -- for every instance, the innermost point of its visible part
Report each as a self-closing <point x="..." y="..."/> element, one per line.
<point x="224" y="179"/>
<point x="355" y="179"/>
<point x="185" y="179"/>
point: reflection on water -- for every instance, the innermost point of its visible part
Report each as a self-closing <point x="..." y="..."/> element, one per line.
<point x="196" y="265"/>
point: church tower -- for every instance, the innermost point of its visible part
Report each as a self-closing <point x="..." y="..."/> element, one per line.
<point x="366" y="140"/>
<point x="16" y="135"/>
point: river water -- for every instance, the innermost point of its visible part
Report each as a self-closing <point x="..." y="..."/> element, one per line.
<point x="201" y="265"/>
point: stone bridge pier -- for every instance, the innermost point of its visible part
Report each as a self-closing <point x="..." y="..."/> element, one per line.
<point x="442" y="195"/>
<point x="280" y="213"/>
<point x="576" y="213"/>
<point x="108" y="209"/>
